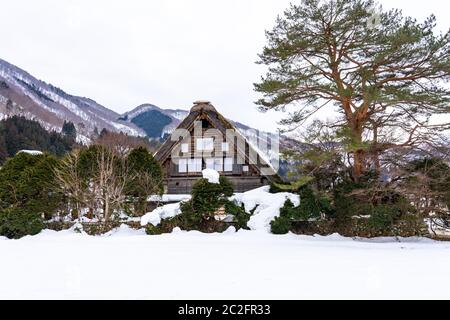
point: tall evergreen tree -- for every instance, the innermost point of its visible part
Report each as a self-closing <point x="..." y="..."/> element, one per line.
<point x="146" y="177"/>
<point x="69" y="130"/>
<point x="379" y="71"/>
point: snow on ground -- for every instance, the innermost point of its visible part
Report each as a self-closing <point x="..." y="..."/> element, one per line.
<point x="170" y="197"/>
<point x="268" y="205"/>
<point x="127" y="264"/>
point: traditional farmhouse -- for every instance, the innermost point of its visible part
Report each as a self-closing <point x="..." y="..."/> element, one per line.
<point x="206" y="140"/>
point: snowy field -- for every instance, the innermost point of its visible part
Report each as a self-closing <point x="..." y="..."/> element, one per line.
<point x="128" y="264"/>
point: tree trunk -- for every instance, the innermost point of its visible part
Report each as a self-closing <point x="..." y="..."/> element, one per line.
<point x="106" y="213"/>
<point x="359" y="160"/>
<point x="376" y="152"/>
<point x="359" y="156"/>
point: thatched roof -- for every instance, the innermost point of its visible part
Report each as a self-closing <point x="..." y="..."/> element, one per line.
<point x="206" y="109"/>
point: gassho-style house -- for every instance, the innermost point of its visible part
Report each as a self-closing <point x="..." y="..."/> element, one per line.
<point x="206" y="140"/>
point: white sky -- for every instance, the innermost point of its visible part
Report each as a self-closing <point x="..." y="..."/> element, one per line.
<point x="166" y="52"/>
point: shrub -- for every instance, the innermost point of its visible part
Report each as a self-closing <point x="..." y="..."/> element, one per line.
<point x="383" y="217"/>
<point x="310" y="208"/>
<point x="153" y="230"/>
<point x="281" y="225"/>
<point x="16" y="223"/>
<point x="28" y="183"/>
<point x="208" y="197"/>
<point x="198" y="213"/>
<point x="240" y="216"/>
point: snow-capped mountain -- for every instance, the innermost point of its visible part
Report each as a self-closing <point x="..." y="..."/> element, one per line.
<point x="158" y="122"/>
<point x="23" y="94"/>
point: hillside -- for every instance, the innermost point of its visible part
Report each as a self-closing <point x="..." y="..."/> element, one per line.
<point x="24" y="95"/>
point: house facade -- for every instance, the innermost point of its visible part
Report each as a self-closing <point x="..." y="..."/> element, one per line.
<point x="205" y="139"/>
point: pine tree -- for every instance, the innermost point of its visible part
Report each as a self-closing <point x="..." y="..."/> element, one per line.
<point x="69" y="130"/>
<point x="378" y="70"/>
<point x="28" y="183"/>
<point x="146" y="177"/>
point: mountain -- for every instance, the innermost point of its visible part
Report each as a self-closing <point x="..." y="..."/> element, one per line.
<point x="24" y="95"/>
<point x="155" y="121"/>
<point x="158" y="122"/>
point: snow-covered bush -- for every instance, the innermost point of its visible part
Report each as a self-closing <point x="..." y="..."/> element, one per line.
<point x="241" y="217"/>
<point x="207" y="197"/>
<point x="194" y="214"/>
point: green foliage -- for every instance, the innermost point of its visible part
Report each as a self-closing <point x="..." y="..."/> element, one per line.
<point x="69" y="130"/>
<point x="288" y="213"/>
<point x="146" y="178"/>
<point x="18" y="133"/>
<point x="208" y="197"/>
<point x="310" y="208"/>
<point x="326" y="54"/>
<point x="281" y="225"/>
<point x="152" y="122"/>
<point x="384" y="216"/>
<point x="28" y="183"/>
<point x="240" y="216"/>
<point x="383" y="206"/>
<point x="351" y="198"/>
<point x="153" y="230"/>
<point x="295" y="185"/>
<point x="16" y="223"/>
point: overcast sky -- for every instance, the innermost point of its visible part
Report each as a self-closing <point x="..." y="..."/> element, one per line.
<point x="166" y="52"/>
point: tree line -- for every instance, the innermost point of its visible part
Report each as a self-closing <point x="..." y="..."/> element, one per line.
<point x="18" y="133"/>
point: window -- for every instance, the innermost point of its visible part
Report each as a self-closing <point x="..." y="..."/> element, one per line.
<point x="245" y="168"/>
<point x="218" y="164"/>
<point x="182" y="165"/>
<point x="205" y="124"/>
<point x="185" y="147"/>
<point x="228" y="164"/>
<point x="209" y="163"/>
<point x="205" y="144"/>
<point x="194" y="165"/>
<point x="225" y="147"/>
<point x="214" y="163"/>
